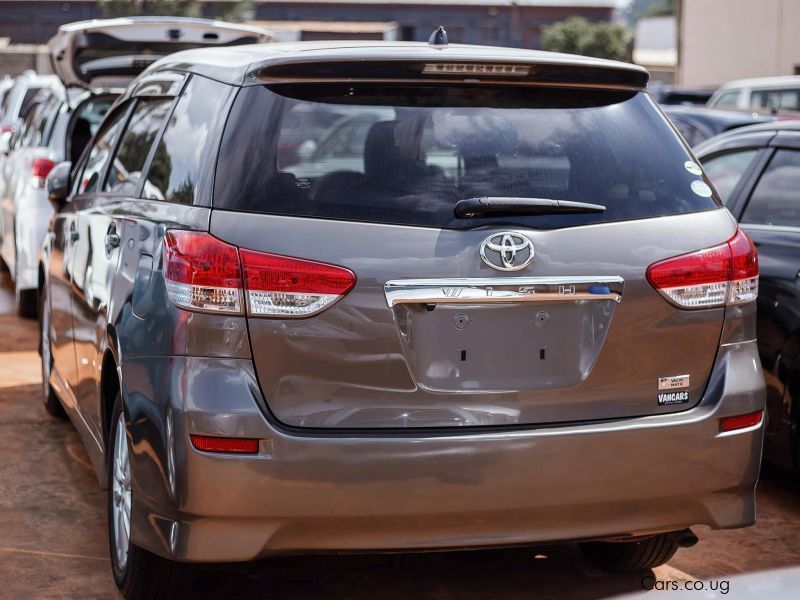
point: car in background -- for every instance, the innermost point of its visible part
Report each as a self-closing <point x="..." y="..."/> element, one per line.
<point x="697" y="123"/>
<point x="57" y="127"/>
<point x="17" y="99"/>
<point x="6" y="83"/>
<point x="520" y="315"/>
<point x="670" y="95"/>
<point x="770" y="95"/>
<point x="95" y="60"/>
<point x="756" y="171"/>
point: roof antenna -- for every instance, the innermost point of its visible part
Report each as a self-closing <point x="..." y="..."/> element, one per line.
<point x="438" y="37"/>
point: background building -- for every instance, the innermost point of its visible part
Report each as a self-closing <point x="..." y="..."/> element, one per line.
<point x="721" y="40"/>
<point x="655" y="47"/>
<point x="514" y="23"/>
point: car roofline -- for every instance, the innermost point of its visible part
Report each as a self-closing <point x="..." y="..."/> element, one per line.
<point x="270" y="63"/>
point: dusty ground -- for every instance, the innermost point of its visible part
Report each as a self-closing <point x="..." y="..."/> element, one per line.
<point x="53" y="534"/>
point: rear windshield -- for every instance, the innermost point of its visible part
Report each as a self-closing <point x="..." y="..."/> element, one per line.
<point x="408" y="154"/>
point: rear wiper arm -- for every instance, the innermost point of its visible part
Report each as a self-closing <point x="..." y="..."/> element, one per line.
<point x="503" y="206"/>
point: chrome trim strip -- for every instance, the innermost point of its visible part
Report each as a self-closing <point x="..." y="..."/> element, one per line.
<point x="502" y="289"/>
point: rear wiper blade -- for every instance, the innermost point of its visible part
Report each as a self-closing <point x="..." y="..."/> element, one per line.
<point x="504" y="206"/>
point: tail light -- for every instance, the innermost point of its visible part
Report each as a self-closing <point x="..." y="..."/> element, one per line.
<point x="740" y="421"/>
<point x="204" y="273"/>
<point x="40" y="167"/>
<point x="225" y="445"/>
<point x="283" y="286"/>
<point x="724" y="275"/>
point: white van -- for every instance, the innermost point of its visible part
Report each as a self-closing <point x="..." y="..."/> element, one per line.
<point x="762" y="94"/>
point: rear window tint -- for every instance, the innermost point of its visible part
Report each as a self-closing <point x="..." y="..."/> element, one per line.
<point x="408" y="154"/>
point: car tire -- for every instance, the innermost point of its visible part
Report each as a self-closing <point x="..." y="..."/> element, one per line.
<point x="139" y="574"/>
<point x="625" y="557"/>
<point x="51" y="402"/>
<point x="25" y="300"/>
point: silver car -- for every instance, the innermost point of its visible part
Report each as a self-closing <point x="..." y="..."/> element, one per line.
<point x="522" y="316"/>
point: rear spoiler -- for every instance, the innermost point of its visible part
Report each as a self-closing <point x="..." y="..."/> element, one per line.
<point x="561" y="74"/>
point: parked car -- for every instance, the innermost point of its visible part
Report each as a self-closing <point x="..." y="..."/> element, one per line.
<point x="549" y="340"/>
<point x="763" y="94"/>
<point x="6" y="83"/>
<point x="14" y="107"/>
<point x="673" y="96"/>
<point x="95" y="59"/>
<point x="697" y="124"/>
<point x="17" y="99"/>
<point x="756" y="171"/>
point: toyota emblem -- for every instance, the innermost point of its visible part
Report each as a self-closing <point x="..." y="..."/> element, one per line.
<point x="507" y="251"/>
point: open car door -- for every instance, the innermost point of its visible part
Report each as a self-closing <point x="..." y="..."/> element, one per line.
<point x="111" y="52"/>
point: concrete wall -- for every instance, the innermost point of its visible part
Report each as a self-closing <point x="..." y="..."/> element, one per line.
<point x="733" y="39"/>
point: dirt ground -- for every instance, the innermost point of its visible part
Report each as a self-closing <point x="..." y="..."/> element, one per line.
<point x="53" y="531"/>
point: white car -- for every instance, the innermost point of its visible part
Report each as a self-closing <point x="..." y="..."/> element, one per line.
<point x="95" y="60"/>
<point x="761" y="94"/>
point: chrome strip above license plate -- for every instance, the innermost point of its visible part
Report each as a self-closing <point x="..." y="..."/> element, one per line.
<point x="503" y="289"/>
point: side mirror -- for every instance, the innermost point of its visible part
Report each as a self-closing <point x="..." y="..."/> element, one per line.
<point x="5" y="142"/>
<point x="58" y="185"/>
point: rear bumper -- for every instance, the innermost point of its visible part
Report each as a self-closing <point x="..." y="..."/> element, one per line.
<point x="348" y="492"/>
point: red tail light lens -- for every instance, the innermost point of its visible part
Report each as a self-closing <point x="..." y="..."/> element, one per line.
<point x="740" y="421"/>
<point x="723" y="275"/>
<point x="225" y="445"/>
<point x="202" y="272"/>
<point x="40" y="167"/>
<point x="283" y="286"/>
<point x="206" y="274"/>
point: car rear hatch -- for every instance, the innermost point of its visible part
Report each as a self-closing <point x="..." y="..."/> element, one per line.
<point x="111" y="52"/>
<point x="452" y="283"/>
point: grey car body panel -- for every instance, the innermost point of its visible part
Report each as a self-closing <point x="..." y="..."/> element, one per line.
<point x="361" y="364"/>
<point x="354" y="492"/>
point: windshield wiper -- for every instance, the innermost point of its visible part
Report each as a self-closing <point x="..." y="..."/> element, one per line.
<point x="502" y="206"/>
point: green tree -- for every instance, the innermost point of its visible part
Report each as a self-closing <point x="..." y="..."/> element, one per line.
<point x="130" y="8"/>
<point x="576" y="35"/>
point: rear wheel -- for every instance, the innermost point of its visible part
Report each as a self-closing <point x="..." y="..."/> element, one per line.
<point x="638" y="555"/>
<point x="25" y="300"/>
<point x="139" y="574"/>
<point x="51" y="402"/>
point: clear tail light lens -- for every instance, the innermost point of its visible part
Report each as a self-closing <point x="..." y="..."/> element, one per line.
<point x="204" y="273"/>
<point x="723" y="275"/>
<point x="40" y="168"/>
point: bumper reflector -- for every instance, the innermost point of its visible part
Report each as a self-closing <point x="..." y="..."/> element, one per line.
<point x="225" y="444"/>
<point x="741" y="421"/>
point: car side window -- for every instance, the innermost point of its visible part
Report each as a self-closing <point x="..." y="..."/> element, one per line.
<point x="134" y="147"/>
<point x="100" y="151"/>
<point x="178" y="161"/>
<point x="728" y="100"/>
<point x="774" y="200"/>
<point x="725" y="170"/>
<point x="787" y="99"/>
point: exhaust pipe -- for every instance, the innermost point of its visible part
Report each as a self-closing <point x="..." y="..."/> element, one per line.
<point x="685" y="538"/>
